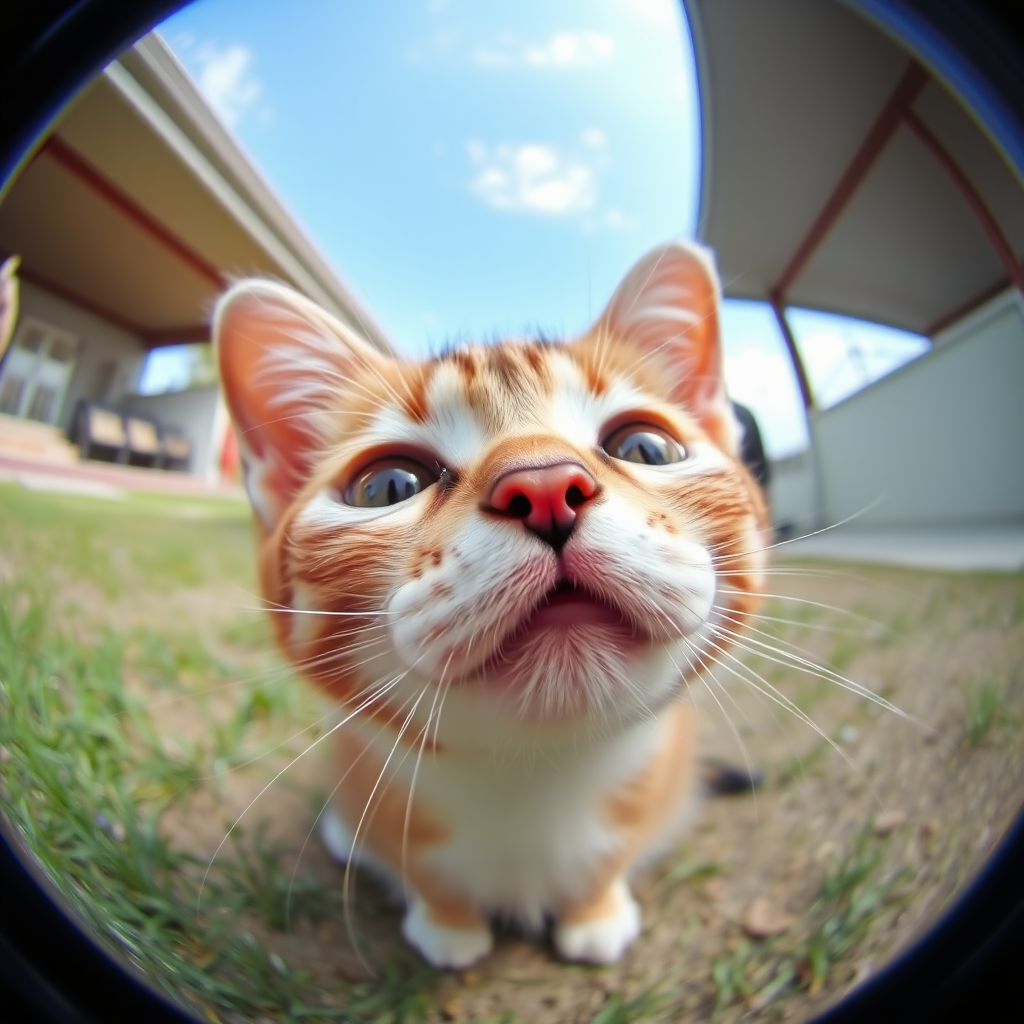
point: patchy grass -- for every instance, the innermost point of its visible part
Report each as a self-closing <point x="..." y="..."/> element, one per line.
<point x="90" y="769"/>
<point x="620" y="1010"/>
<point x="855" y="894"/>
<point x="986" y="707"/>
<point x="142" y="707"/>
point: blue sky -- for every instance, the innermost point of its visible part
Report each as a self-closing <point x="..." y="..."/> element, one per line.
<point x="476" y="169"/>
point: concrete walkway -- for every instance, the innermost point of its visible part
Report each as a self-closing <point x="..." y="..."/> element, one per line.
<point x="107" y="480"/>
<point x="997" y="547"/>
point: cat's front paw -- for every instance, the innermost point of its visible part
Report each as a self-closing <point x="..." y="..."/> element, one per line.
<point x="443" y="945"/>
<point x="604" y="939"/>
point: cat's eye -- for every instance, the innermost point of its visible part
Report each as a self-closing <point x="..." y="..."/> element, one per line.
<point x="643" y="443"/>
<point x="387" y="482"/>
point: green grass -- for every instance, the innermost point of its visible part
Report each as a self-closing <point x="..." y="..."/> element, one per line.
<point x="986" y="708"/>
<point x="620" y="1010"/>
<point x="89" y="768"/>
<point x="853" y="899"/>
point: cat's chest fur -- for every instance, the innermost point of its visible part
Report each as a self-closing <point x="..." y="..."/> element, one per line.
<point x="521" y="838"/>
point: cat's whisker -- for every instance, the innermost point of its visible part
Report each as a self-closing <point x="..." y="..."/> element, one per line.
<point x="346" y="884"/>
<point x="816" y="627"/>
<point x="344" y="721"/>
<point x="757" y="682"/>
<point x="749" y="627"/>
<point x="322" y="612"/>
<point x="316" y="820"/>
<point x="808" y="667"/>
<point x="800" y="600"/>
<point x="416" y="770"/>
<point x="364" y="692"/>
<point x="825" y="529"/>
<point x="744" y="751"/>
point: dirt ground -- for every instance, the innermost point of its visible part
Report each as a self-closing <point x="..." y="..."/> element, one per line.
<point x="774" y="904"/>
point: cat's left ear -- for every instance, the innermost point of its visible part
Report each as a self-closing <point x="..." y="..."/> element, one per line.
<point x="667" y="307"/>
<point x="284" y="365"/>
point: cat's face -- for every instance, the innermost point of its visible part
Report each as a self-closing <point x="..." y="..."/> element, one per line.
<point x="533" y="534"/>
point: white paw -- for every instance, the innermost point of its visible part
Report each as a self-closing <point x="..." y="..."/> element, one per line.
<point x="336" y="836"/>
<point x="443" y="946"/>
<point x="602" y="941"/>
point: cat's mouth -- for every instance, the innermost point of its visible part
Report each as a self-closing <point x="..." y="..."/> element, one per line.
<point x="568" y="604"/>
<point x="567" y="637"/>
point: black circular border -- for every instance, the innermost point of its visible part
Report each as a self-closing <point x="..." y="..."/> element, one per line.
<point x="966" y="968"/>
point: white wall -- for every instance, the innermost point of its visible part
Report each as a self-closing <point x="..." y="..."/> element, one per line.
<point x="198" y="413"/>
<point x="110" y="359"/>
<point x="939" y="441"/>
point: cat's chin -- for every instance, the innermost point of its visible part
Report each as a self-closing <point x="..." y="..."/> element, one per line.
<point x="571" y="655"/>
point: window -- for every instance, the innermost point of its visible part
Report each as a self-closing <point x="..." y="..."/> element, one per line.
<point x="842" y="355"/>
<point x="37" y="371"/>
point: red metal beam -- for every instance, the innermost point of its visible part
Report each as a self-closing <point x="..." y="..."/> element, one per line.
<point x="68" y="295"/>
<point x="906" y="91"/>
<point x="970" y="195"/>
<point x="186" y="335"/>
<point x="973" y="303"/>
<point x="798" y="364"/>
<point x="152" y="338"/>
<point x="77" y="165"/>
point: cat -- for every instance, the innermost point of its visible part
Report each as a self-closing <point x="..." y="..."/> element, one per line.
<point x="504" y="563"/>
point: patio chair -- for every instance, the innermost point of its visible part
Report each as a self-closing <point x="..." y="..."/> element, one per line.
<point x="176" y="450"/>
<point x="143" y="447"/>
<point x="99" y="433"/>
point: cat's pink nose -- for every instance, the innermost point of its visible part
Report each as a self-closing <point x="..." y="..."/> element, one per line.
<point x="545" y="499"/>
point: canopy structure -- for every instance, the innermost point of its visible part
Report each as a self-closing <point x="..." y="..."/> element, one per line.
<point x="838" y="174"/>
<point x="141" y="208"/>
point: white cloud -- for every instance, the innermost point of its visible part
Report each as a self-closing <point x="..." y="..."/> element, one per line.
<point x="661" y="12"/>
<point x="226" y="81"/>
<point x="561" y="50"/>
<point x="571" y="49"/>
<point x="619" y="221"/>
<point x="536" y="177"/>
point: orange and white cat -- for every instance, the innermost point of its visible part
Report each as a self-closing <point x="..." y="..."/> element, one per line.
<point x="504" y="563"/>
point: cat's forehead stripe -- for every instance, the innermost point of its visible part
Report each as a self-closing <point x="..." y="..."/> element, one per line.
<point x="471" y="397"/>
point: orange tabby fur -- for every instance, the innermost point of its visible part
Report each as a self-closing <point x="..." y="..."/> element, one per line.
<point x="516" y="735"/>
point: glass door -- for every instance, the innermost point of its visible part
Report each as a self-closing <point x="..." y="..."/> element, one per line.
<point x="37" y="370"/>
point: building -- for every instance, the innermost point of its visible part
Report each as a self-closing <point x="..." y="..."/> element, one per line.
<point x="842" y="173"/>
<point x="131" y="218"/>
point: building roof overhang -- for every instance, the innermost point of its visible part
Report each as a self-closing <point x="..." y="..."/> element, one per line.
<point x="839" y="174"/>
<point x="142" y="208"/>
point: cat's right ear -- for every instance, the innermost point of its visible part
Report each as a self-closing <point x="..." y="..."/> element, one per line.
<point x="667" y="308"/>
<point x="283" y="364"/>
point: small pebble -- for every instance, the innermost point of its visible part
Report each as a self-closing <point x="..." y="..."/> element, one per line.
<point x="848" y="734"/>
<point x="715" y="889"/>
<point x="765" y="918"/>
<point x="452" y="1010"/>
<point x="112" y="828"/>
<point x="889" y="821"/>
<point x="864" y="971"/>
<point x="826" y="851"/>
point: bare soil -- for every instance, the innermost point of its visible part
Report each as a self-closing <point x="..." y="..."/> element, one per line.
<point x="921" y="796"/>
